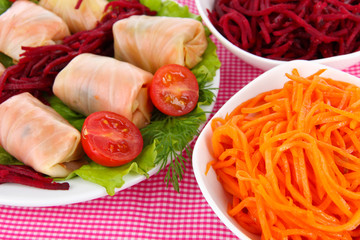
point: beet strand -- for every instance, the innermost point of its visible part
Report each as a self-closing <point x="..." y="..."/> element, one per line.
<point x="25" y="175"/>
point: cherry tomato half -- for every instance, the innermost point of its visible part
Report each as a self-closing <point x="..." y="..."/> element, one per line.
<point x="174" y="90"/>
<point x="110" y="139"/>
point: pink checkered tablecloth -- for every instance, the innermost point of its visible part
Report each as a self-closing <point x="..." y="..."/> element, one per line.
<point x="148" y="210"/>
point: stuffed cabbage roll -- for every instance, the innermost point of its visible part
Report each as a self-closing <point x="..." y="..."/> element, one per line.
<point x="38" y="136"/>
<point x="27" y="24"/>
<point x="151" y="42"/>
<point x="2" y="69"/>
<point x="84" y="18"/>
<point x="91" y="83"/>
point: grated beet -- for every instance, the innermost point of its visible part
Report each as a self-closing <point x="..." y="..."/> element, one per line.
<point x="78" y="4"/>
<point x="288" y="29"/>
<point x="38" y="66"/>
<point x="25" y="175"/>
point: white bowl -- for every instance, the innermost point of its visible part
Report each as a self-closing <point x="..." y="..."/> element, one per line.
<point x="339" y="62"/>
<point x="202" y="153"/>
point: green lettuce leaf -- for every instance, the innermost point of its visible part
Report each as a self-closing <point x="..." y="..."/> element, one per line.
<point x="6" y="60"/>
<point x="4" y="5"/>
<point x="205" y="71"/>
<point x="74" y="118"/>
<point x="169" y="8"/>
<point x="7" y="159"/>
<point x="112" y="178"/>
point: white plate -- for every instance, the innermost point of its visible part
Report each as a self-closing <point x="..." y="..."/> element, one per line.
<point x="202" y="154"/>
<point x="80" y="190"/>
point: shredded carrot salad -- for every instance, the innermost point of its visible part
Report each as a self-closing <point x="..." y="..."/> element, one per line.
<point x="290" y="159"/>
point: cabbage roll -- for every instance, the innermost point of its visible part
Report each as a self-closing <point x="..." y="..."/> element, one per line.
<point x="151" y="42"/>
<point x="2" y="69"/>
<point x="38" y="136"/>
<point x="91" y="83"/>
<point x="84" y="18"/>
<point x="27" y="24"/>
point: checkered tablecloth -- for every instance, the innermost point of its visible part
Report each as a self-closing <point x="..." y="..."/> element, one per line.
<point x="148" y="210"/>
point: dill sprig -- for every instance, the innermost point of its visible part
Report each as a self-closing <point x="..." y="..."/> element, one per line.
<point x="172" y="136"/>
<point x="206" y="92"/>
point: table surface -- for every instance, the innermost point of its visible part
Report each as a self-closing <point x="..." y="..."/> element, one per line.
<point x="148" y="210"/>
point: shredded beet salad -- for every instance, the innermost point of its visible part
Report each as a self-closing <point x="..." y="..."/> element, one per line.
<point x="38" y="66"/>
<point x="289" y="29"/>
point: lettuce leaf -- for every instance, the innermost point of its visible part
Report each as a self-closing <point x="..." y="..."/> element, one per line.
<point x="7" y="159"/>
<point x="169" y="8"/>
<point x="4" y="5"/>
<point x="74" y="118"/>
<point x="112" y="178"/>
<point x="205" y="71"/>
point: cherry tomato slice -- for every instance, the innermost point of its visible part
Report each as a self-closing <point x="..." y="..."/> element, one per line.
<point x="110" y="139"/>
<point x="174" y="90"/>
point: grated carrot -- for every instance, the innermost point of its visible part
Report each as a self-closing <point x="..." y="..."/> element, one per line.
<point x="290" y="159"/>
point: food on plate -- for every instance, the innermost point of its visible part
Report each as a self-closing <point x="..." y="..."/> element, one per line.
<point x="26" y="175"/>
<point x="174" y="90"/>
<point x="290" y="158"/>
<point x="151" y="42"/>
<point x="27" y="24"/>
<point x="286" y="30"/>
<point x="110" y="139"/>
<point x="37" y="69"/>
<point x="38" y="136"/>
<point x="81" y="18"/>
<point x="92" y="83"/>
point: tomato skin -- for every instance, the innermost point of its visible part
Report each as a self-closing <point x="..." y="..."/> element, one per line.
<point x="110" y="139"/>
<point x="174" y="90"/>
